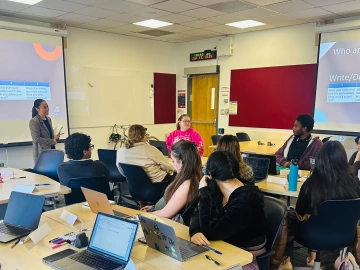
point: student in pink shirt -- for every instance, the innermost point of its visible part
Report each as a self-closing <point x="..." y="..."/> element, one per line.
<point x="185" y="132"/>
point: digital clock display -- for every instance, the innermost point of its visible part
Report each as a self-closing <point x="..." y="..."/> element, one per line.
<point x="206" y="55"/>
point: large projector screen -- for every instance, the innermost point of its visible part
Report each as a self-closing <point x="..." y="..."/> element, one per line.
<point x="337" y="103"/>
<point x="31" y="67"/>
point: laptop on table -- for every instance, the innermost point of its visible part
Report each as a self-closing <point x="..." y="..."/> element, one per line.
<point x="272" y="165"/>
<point x="161" y="146"/>
<point x="110" y="246"/>
<point x="161" y="237"/>
<point x="260" y="167"/>
<point x="98" y="202"/>
<point x="22" y="216"/>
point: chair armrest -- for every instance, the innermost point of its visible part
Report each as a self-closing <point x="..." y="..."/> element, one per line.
<point x="263" y="260"/>
<point x="28" y="170"/>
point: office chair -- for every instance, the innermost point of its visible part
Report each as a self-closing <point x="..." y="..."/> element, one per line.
<point x="48" y="163"/>
<point x="118" y="181"/>
<point x="275" y="213"/>
<point x="215" y="139"/>
<point x="326" y="139"/>
<point x="161" y="145"/>
<point x="333" y="228"/>
<point x="100" y="184"/>
<point x="242" y="137"/>
<point x="140" y="186"/>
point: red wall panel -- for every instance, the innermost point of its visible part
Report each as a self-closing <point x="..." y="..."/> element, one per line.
<point x="164" y="98"/>
<point x="272" y="97"/>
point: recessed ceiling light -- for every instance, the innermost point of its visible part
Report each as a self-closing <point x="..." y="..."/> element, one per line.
<point x="245" y="24"/>
<point x="153" y="23"/>
<point x="28" y="2"/>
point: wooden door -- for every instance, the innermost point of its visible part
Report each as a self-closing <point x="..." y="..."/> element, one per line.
<point x="203" y="109"/>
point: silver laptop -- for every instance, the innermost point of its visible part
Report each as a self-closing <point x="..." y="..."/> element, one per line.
<point x="110" y="246"/>
<point x="98" y="202"/>
<point x="161" y="237"/>
<point x="22" y="216"/>
<point x="260" y="167"/>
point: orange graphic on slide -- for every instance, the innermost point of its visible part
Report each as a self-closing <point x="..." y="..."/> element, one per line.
<point x="48" y="56"/>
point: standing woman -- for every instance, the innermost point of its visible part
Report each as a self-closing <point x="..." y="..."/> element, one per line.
<point x="41" y="129"/>
<point x="185" y="132"/>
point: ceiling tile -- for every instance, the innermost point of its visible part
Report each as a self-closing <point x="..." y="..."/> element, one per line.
<point x="198" y="32"/>
<point x="175" y="6"/>
<point x="60" y="5"/>
<point x="308" y="13"/>
<point x="88" y="2"/>
<point x="91" y="26"/>
<point x="119" y="5"/>
<point x="175" y="36"/>
<point x="115" y="31"/>
<point x="231" y="6"/>
<point x="264" y="2"/>
<point x="199" y="24"/>
<point x="133" y="28"/>
<point x="258" y="28"/>
<point x="226" y="18"/>
<point x="146" y="2"/>
<point x="176" y="28"/>
<point x="224" y="29"/>
<point x="206" y="2"/>
<point x="202" y="13"/>
<point x="176" y="18"/>
<point x="279" y="18"/>
<point x="12" y="6"/>
<point x="76" y="18"/>
<point x="125" y="17"/>
<point x="343" y="7"/>
<point x="254" y="13"/>
<point x="289" y="23"/>
<point x="320" y="3"/>
<point x="289" y="6"/>
<point x="149" y="12"/>
<point x="96" y="12"/>
<point x="107" y="23"/>
<point x="43" y="12"/>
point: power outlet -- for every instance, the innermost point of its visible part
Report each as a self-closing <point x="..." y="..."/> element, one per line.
<point x="2" y="164"/>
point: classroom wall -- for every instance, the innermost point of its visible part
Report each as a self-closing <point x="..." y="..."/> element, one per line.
<point x="87" y="48"/>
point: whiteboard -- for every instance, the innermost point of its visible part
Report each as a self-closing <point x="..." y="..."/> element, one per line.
<point x="103" y="97"/>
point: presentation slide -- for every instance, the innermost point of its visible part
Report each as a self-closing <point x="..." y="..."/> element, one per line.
<point x="338" y="83"/>
<point x="31" y="67"/>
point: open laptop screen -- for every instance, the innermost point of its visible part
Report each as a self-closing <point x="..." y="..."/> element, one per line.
<point x="260" y="166"/>
<point x="113" y="236"/>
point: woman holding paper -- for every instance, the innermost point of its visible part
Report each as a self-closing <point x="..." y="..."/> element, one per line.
<point x="41" y="129"/>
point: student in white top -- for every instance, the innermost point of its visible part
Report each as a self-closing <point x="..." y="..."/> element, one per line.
<point x="138" y="152"/>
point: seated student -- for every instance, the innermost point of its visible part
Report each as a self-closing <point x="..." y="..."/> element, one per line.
<point x="187" y="162"/>
<point x="78" y="149"/>
<point x="138" y="152"/>
<point x="301" y="145"/>
<point x="231" y="143"/>
<point x="331" y="179"/>
<point x="355" y="158"/>
<point x="228" y="210"/>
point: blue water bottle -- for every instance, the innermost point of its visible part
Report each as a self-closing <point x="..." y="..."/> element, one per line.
<point x="293" y="175"/>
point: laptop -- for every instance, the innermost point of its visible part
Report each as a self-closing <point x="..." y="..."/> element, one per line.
<point x="260" y="167"/>
<point x="161" y="145"/>
<point x="272" y="165"/>
<point x="110" y="246"/>
<point x="312" y="163"/>
<point x="161" y="237"/>
<point x="98" y="202"/>
<point x="22" y="216"/>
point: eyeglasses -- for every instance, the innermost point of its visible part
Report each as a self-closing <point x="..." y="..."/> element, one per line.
<point x="186" y="121"/>
<point x="91" y="146"/>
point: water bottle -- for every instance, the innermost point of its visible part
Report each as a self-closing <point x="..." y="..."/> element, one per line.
<point x="293" y="175"/>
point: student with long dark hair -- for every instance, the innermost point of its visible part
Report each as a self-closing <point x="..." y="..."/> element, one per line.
<point x="187" y="162"/>
<point x="228" y="210"/>
<point x="355" y="158"/>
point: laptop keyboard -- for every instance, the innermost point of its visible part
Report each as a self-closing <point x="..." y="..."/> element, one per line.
<point x="187" y="253"/>
<point x="119" y="214"/>
<point x="95" y="261"/>
<point x="12" y="230"/>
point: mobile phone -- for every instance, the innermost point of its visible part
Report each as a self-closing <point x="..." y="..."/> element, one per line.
<point x="142" y="240"/>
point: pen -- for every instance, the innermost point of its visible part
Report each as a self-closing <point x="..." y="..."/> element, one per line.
<point x="213" y="249"/>
<point x="42" y="185"/>
<point x="85" y="230"/>
<point x="57" y="240"/>
<point x="59" y="245"/>
<point x="53" y="239"/>
<point x="17" y="177"/>
<point x="211" y="259"/>
<point x="16" y="242"/>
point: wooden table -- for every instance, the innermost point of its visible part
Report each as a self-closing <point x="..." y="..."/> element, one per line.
<point x="231" y="255"/>
<point x="252" y="146"/>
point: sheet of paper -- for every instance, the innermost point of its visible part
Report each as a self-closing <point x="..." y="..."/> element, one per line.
<point x="39" y="233"/>
<point x="25" y="188"/>
<point x="130" y="265"/>
<point x="276" y="180"/>
<point x="233" y="107"/>
<point x="6" y="172"/>
<point x="69" y="217"/>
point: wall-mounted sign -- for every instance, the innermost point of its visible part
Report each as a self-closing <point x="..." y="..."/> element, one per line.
<point x="205" y="55"/>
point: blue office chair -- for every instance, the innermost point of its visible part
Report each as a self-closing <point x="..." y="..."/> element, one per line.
<point x="215" y="139"/>
<point x="275" y="212"/>
<point x="242" y="137"/>
<point x="333" y="228"/>
<point x="48" y="163"/>
<point x="140" y="186"/>
<point x="100" y="184"/>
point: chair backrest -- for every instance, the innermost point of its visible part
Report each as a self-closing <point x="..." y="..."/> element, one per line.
<point x="140" y="186"/>
<point x="275" y="212"/>
<point x="161" y="145"/>
<point x="108" y="157"/>
<point x="333" y="228"/>
<point x="215" y="139"/>
<point x="242" y="137"/>
<point x="326" y="139"/>
<point x="48" y="163"/>
<point x="100" y="184"/>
